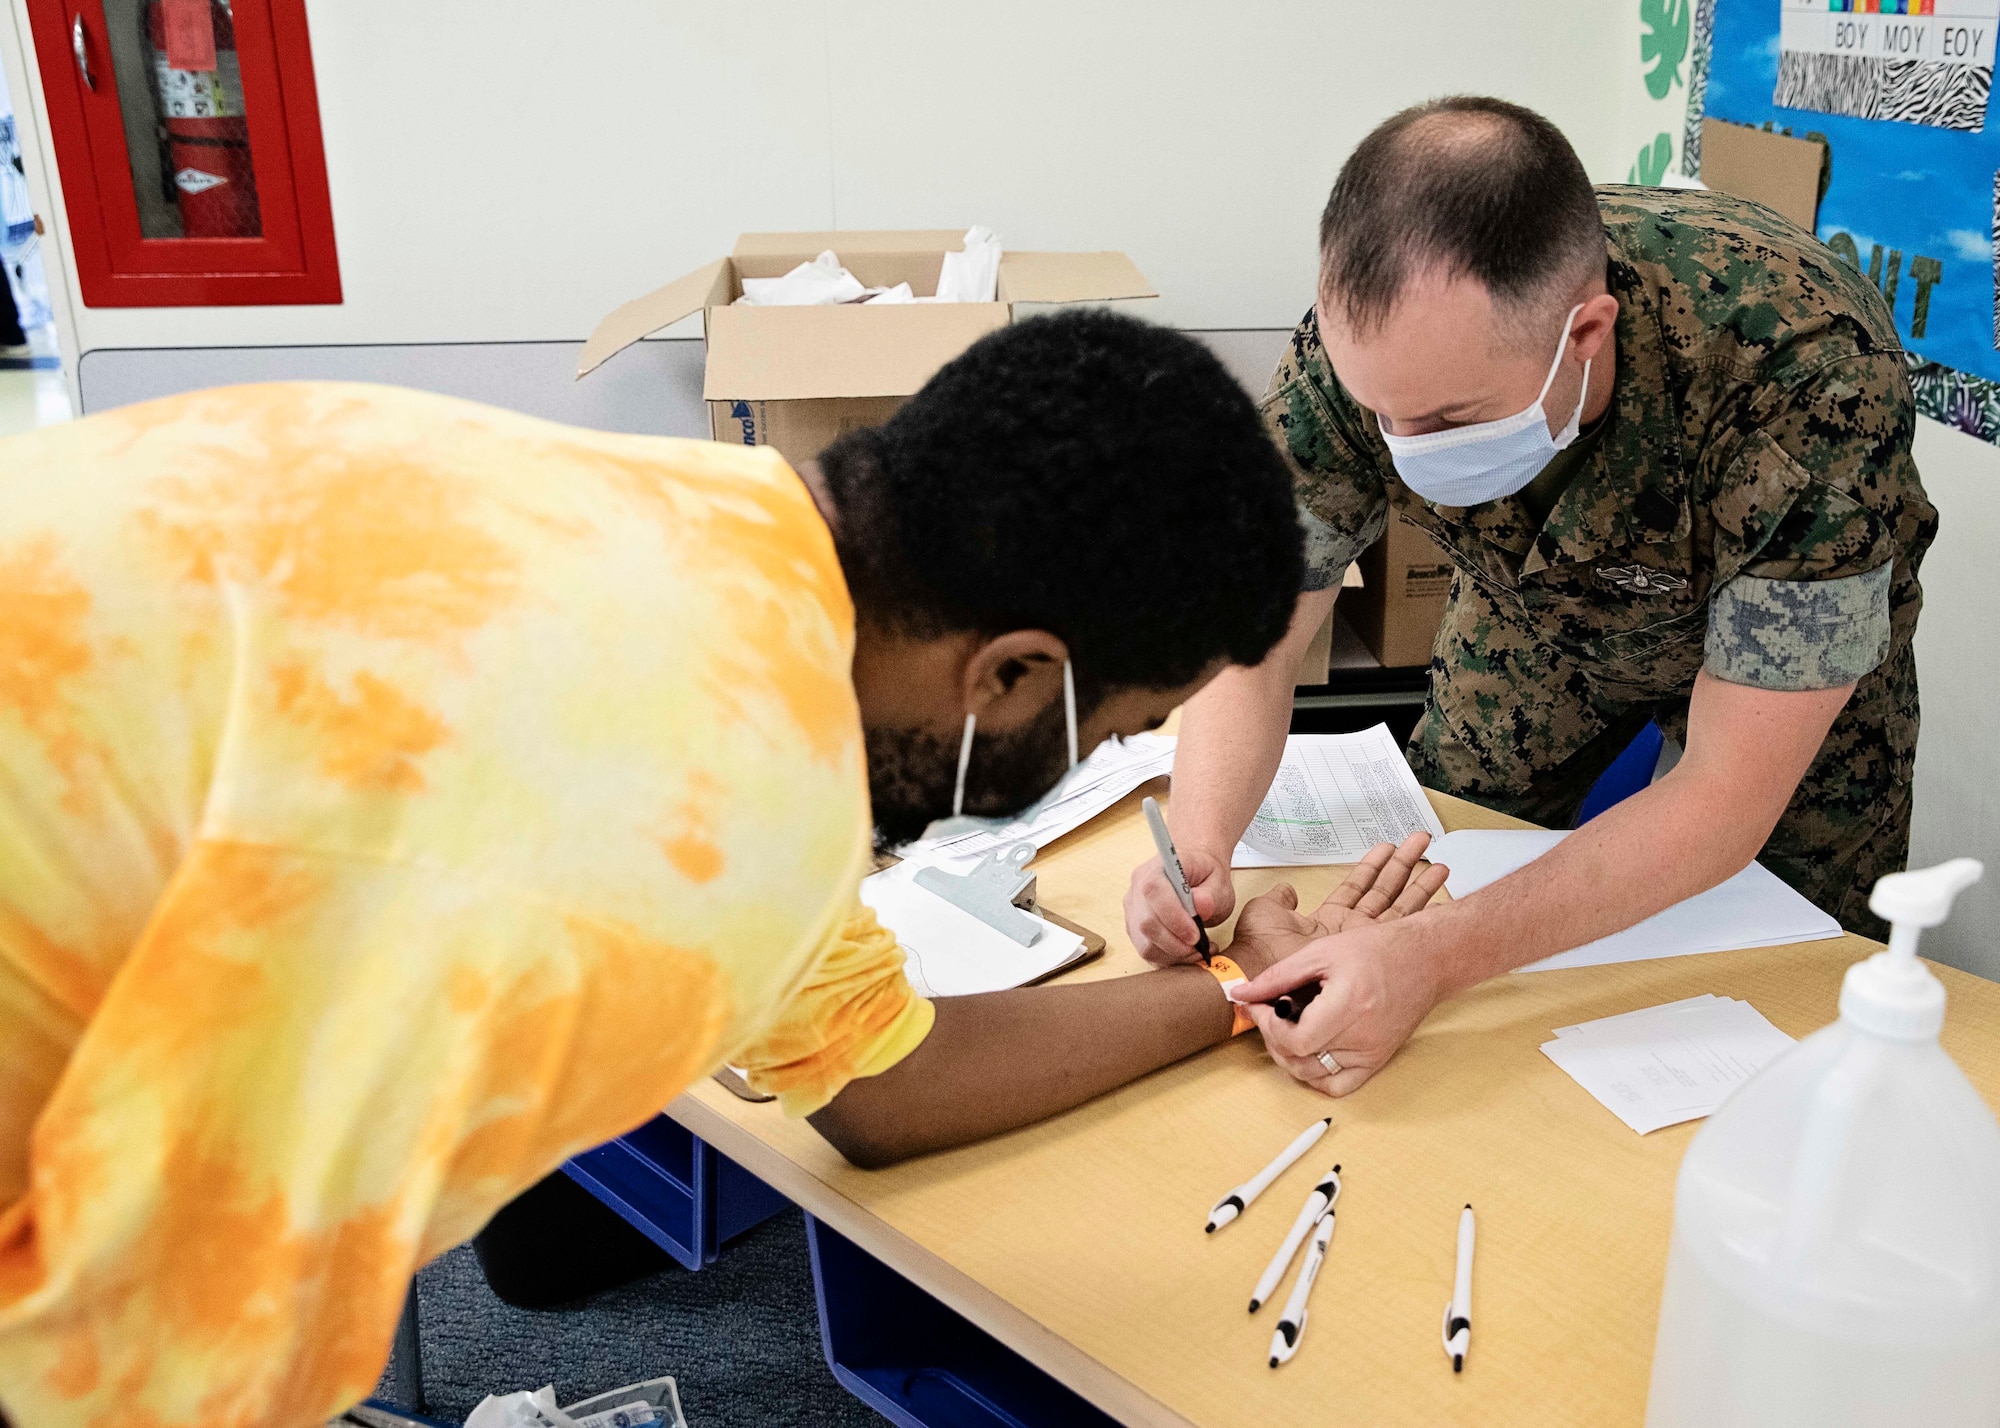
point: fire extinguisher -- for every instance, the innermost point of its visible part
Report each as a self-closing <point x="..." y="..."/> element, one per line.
<point x="204" y="138"/>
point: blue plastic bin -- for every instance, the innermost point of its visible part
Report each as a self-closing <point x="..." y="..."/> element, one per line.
<point x="919" y="1364"/>
<point x="676" y="1190"/>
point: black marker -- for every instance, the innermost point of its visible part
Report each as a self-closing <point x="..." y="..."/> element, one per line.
<point x="1170" y="863"/>
<point x="1295" y="1001"/>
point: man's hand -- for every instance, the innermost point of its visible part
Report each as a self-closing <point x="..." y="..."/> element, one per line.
<point x="1376" y="987"/>
<point x="1159" y="926"/>
<point x="1383" y="886"/>
<point x="1006" y="1059"/>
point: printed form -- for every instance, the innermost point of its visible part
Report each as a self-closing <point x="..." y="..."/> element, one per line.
<point x="1659" y="1066"/>
<point x="1335" y="797"/>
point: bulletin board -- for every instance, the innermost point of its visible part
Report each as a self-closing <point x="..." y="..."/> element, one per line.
<point x="1899" y="90"/>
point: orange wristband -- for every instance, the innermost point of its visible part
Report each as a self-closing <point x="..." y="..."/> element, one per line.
<point x="1231" y="975"/>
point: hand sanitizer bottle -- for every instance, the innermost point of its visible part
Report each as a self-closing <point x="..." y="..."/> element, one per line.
<point x="1836" y="1248"/>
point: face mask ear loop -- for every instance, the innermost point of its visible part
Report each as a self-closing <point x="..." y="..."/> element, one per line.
<point x="1069" y="708"/>
<point x="964" y="762"/>
<point x="1575" y="422"/>
<point x="1561" y="347"/>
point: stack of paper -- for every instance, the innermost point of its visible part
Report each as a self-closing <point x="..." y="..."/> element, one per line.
<point x="1752" y="909"/>
<point x="1114" y="768"/>
<point x="1335" y="797"/>
<point x="950" y="953"/>
<point x="1667" y="1064"/>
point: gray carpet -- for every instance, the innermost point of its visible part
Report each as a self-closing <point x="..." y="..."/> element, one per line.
<point x="741" y="1338"/>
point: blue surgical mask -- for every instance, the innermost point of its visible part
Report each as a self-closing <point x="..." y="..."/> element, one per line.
<point x="962" y="822"/>
<point x="1488" y="460"/>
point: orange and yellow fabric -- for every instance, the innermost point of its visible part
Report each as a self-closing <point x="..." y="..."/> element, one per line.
<point x="397" y="796"/>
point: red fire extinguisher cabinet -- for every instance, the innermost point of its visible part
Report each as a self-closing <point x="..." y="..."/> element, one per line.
<point x="187" y="136"/>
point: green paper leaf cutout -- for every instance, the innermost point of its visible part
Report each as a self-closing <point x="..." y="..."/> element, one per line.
<point x="1653" y="161"/>
<point x="1665" y="43"/>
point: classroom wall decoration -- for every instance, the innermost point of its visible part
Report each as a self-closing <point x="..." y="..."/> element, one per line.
<point x="1899" y="92"/>
<point x="1901" y="60"/>
<point x="1653" y="109"/>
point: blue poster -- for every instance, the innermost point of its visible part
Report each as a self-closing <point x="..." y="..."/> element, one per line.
<point x="1899" y="90"/>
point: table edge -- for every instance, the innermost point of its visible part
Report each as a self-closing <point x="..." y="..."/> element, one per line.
<point x="1056" y="1356"/>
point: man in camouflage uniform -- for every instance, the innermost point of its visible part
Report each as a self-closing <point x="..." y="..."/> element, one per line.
<point x="1731" y="541"/>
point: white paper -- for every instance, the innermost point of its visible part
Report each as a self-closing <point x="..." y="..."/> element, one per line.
<point x="950" y="953"/>
<point x="1663" y="1065"/>
<point x="970" y="275"/>
<point x="519" y="1410"/>
<point x="1604" y="1023"/>
<point x="1113" y="769"/>
<point x="1335" y="797"/>
<point x="819" y="283"/>
<point x="973" y="274"/>
<point x="1752" y="909"/>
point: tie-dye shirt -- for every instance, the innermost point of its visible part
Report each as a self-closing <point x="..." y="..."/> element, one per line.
<point x="397" y="796"/>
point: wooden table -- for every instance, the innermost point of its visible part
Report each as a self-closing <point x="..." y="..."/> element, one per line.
<point x="1078" y="1243"/>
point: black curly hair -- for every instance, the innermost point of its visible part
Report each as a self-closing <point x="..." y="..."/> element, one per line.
<point x="1088" y="474"/>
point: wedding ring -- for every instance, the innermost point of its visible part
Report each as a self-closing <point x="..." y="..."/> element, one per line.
<point x="1332" y="1066"/>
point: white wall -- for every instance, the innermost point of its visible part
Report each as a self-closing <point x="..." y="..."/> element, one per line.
<point x="1958" y="669"/>
<point x="510" y="172"/>
<point x="505" y="174"/>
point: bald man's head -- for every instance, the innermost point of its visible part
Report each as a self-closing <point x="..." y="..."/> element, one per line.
<point x="1464" y="187"/>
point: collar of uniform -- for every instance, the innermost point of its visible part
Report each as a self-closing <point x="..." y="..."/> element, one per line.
<point x="1633" y="489"/>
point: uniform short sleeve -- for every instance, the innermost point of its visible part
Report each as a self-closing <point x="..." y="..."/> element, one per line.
<point x="1811" y="606"/>
<point x="1343" y="506"/>
<point x="854" y="1015"/>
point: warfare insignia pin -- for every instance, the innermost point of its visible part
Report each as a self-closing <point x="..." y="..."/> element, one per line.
<point x="1642" y="580"/>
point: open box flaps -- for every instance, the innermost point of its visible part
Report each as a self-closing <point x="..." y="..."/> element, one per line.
<point x="1071" y="277"/>
<point x="795" y="377"/>
<point x="660" y="308"/>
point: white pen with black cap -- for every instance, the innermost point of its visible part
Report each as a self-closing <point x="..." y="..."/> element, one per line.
<point x="1285" y="1341"/>
<point x="1317" y="1204"/>
<point x="1238" y="1200"/>
<point x="1458" y="1312"/>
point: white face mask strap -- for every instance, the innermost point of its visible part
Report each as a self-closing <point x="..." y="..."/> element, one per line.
<point x="1069" y="708"/>
<point x="1561" y="347"/>
<point x="1575" y="422"/>
<point x="972" y="723"/>
<point x="964" y="762"/>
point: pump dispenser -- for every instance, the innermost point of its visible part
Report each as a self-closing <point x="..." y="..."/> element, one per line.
<point x="1836" y="1246"/>
<point x="1892" y="993"/>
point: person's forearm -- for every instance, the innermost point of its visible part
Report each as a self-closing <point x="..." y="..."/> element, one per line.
<point x="1668" y="842"/>
<point x="1232" y="736"/>
<point x="1006" y="1059"/>
<point x="1747" y="749"/>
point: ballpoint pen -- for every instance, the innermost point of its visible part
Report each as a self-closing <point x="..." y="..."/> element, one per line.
<point x="1285" y="1340"/>
<point x="1238" y="1200"/>
<point x="1458" y="1312"/>
<point x="1317" y="1204"/>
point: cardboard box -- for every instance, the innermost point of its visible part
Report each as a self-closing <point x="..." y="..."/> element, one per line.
<point x="1405" y="582"/>
<point x="797" y="377"/>
<point x="1315" y="665"/>
<point x="1776" y="170"/>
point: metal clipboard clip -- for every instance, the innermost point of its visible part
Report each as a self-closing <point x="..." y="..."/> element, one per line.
<point x="995" y="891"/>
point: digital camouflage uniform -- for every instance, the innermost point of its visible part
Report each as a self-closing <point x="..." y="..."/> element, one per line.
<point x="1748" y="506"/>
